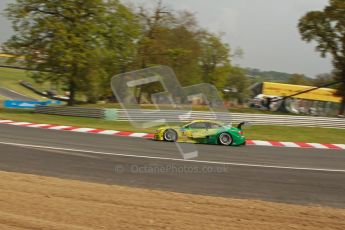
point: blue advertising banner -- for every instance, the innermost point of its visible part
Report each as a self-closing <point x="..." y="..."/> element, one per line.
<point x="27" y="104"/>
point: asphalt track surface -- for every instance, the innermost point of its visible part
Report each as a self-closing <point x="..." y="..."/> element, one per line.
<point x="289" y="175"/>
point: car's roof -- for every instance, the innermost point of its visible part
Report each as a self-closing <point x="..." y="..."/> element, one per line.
<point x="211" y="121"/>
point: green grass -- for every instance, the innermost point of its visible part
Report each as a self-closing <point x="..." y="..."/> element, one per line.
<point x="30" y="116"/>
<point x="10" y="78"/>
<point x="2" y="98"/>
<point x="295" y="134"/>
<point x="271" y="133"/>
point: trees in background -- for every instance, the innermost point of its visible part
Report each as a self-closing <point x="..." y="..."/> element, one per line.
<point x="323" y="79"/>
<point x="274" y="76"/>
<point x="327" y="29"/>
<point x="168" y="38"/>
<point x="214" y="59"/>
<point x="175" y="39"/>
<point x="238" y="85"/>
<point x="81" y="44"/>
<point x="299" y="79"/>
<point x="73" y="42"/>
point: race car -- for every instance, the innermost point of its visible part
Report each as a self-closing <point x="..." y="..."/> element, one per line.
<point x="203" y="132"/>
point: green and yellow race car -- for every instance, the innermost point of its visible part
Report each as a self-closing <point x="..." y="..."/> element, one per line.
<point x="203" y="132"/>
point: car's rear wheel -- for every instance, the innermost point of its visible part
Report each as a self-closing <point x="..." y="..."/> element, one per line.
<point x="225" y="139"/>
<point x="170" y="135"/>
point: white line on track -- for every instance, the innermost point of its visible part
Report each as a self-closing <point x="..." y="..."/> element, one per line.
<point x="176" y="159"/>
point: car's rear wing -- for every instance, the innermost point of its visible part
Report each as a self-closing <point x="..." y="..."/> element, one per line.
<point x="245" y="123"/>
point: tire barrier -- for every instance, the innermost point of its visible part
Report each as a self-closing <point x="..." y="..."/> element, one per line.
<point x="71" y="111"/>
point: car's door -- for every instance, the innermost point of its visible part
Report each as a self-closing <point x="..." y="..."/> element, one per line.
<point x="196" y="130"/>
<point x="212" y="128"/>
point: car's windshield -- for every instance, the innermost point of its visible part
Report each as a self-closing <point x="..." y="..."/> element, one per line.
<point x="204" y="125"/>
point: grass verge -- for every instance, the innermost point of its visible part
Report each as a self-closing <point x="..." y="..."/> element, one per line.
<point x="10" y="78"/>
<point x="260" y="132"/>
<point x="30" y="116"/>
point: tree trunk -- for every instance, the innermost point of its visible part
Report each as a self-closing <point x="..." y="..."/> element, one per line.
<point x="72" y="85"/>
<point x="72" y="90"/>
<point x="341" y="90"/>
<point x="342" y="107"/>
<point x="139" y="94"/>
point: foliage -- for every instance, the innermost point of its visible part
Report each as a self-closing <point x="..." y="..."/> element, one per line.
<point x="67" y="40"/>
<point x="168" y="38"/>
<point x="327" y="28"/>
<point x="299" y="79"/>
<point x="80" y="44"/>
<point x="214" y="59"/>
<point x="240" y="82"/>
<point x="323" y="79"/>
<point x="175" y="39"/>
<point x="272" y="76"/>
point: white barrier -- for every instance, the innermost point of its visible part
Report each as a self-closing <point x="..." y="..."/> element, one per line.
<point x="177" y="116"/>
<point x="256" y="119"/>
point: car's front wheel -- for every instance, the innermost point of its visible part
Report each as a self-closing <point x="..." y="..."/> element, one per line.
<point x="170" y="135"/>
<point x="225" y="139"/>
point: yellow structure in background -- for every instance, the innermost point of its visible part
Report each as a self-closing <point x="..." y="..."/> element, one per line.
<point x="9" y="56"/>
<point x="279" y="89"/>
<point x="5" y="56"/>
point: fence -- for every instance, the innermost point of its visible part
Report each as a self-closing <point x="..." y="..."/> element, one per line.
<point x="71" y="111"/>
<point x="176" y="116"/>
<point x="258" y="119"/>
